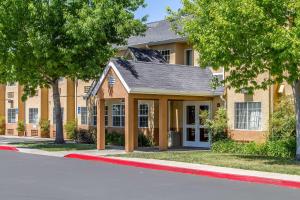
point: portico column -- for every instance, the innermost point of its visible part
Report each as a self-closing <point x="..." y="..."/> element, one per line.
<point x="130" y="124"/>
<point x="163" y="124"/>
<point x="101" y="124"/>
<point x="136" y="131"/>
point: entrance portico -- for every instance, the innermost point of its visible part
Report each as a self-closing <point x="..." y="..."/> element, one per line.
<point x="128" y="81"/>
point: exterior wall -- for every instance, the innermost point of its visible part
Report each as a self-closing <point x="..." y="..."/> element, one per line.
<point x="11" y="127"/>
<point x="33" y="102"/>
<point x="2" y="109"/>
<point x="263" y="96"/>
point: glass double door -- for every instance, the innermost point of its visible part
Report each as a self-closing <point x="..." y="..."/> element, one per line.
<point x="194" y="132"/>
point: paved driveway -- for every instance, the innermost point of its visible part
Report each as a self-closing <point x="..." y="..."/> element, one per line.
<point x="34" y="177"/>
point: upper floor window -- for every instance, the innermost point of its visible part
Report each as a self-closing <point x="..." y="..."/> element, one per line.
<point x="166" y="54"/>
<point x="86" y="89"/>
<point x="118" y="115"/>
<point x="10" y="95"/>
<point x="248" y="115"/>
<point x="11" y="84"/>
<point x="83" y="115"/>
<point x="33" y="115"/>
<point x="11" y="115"/>
<point x="143" y="115"/>
<point x="188" y="57"/>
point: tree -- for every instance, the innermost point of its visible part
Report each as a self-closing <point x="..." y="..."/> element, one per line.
<point x="44" y="40"/>
<point x="248" y="38"/>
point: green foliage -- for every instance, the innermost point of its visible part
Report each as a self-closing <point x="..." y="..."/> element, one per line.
<point x="246" y="37"/>
<point x="45" y="128"/>
<point x="70" y="128"/>
<point x="283" y="121"/>
<point x="280" y="148"/>
<point x="217" y="125"/>
<point x="21" y="126"/>
<point x="2" y="125"/>
<point x="145" y="141"/>
<point x="115" y="138"/>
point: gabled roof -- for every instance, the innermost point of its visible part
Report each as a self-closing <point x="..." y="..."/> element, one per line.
<point x="146" y="55"/>
<point x="157" y="33"/>
<point x="161" y="78"/>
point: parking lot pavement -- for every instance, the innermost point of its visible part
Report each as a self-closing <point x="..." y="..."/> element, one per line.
<point x="35" y="177"/>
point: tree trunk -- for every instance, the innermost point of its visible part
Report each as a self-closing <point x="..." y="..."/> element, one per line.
<point x="296" y="89"/>
<point x="58" y="114"/>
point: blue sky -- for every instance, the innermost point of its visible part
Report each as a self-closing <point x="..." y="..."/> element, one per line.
<point x="156" y="9"/>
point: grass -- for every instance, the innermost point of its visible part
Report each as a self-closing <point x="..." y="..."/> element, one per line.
<point x="258" y="163"/>
<point x="49" y="146"/>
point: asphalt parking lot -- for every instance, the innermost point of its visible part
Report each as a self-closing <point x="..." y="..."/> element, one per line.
<point x="34" y="177"/>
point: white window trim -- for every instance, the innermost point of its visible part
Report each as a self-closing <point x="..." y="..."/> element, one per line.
<point x="16" y="119"/>
<point x="185" y="63"/>
<point x="106" y="115"/>
<point x="220" y="73"/>
<point x="261" y="116"/>
<point x="143" y="115"/>
<point x="160" y="50"/>
<point x="29" y="116"/>
<point x="112" y="115"/>
<point x="87" y="116"/>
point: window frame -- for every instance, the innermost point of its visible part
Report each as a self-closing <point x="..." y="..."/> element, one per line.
<point x="165" y="50"/>
<point x="83" y="121"/>
<point x="247" y="116"/>
<point x="9" y="121"/>
<point x="143" y="115"/>
<point x="30" y="115"/>
<point x="121" y="116"/>
<point x="106" y="108"/>
<point x="185" y="57"/>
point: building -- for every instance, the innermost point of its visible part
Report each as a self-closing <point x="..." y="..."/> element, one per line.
<point x="248" y="115"/>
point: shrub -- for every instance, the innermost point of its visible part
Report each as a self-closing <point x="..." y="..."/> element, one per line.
<point x="87" y="137"/>
<point x="217" y="125"/>
<point x="2" y="125"/>
<point x="145" y="141"/>
<point x="115" y="138"/>
<point x="280" y="148"/>
<point x="70" y="128"/>
<point x="45" y="128"/>
<point x="283" y="121"/>
<point x="21" y="126"/>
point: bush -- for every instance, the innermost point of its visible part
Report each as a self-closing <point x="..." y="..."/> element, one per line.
<point x="45" y="128"/>
<point x="2" y="125"/>
<point x="70" y="128"/>
<point x="217" y="125"/>
<point x="21" y="126"/>
<point x="87" y="137"/>
<point x="280" y="148"/>
<point x="283" y="121"/>
<point x="115" y="138"/>
<point x="145" y="141"/>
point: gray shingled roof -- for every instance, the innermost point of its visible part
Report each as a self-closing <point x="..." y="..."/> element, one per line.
<point x="157" y="32"/>
<point x="146" y="55"/>
<point x="159" y="78"/>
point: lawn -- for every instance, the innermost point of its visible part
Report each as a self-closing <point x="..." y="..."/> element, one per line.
<point x="258" y="163"/>
<point x="47" y="146"/>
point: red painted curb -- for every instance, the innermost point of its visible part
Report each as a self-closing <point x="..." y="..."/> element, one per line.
<point x="8" y="148"/>
<point x="243" y="178"/>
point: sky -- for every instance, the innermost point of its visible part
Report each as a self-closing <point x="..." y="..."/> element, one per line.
<point x="156" y="9"/>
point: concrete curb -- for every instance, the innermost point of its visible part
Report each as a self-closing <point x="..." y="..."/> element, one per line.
<point x="8" y="148"/>
<point x="219" y="175"/>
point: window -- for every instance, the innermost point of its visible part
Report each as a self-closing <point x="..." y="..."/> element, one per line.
<point x="11" y="115"/>
<point x="118" y="115"/>
<point x="87" y="89"/>
<point x="248" y="115"/>
<point x="143" y="115"/>
<point x="94" y="116"/>
<point x="189" y="57"/>
<point x="166" y="54"/>
<point x="219" y="76"/>
<point x="10" y="95"/>
<point x="84" y="115"/>
<point x="11" y="84"/>
<point x="33" y="115"/>
<point x="54" y="116"/>
<point x="106" y="116"/>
